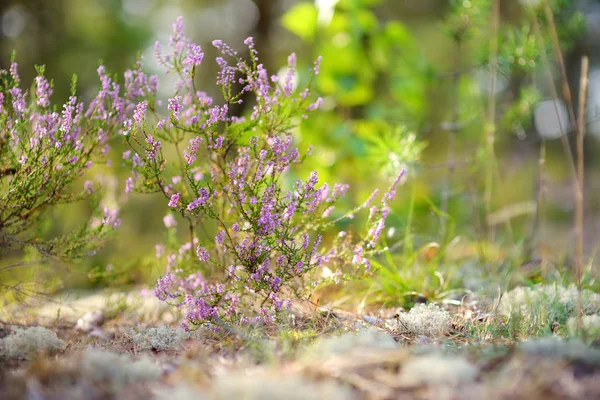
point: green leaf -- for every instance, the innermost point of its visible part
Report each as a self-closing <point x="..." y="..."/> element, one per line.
<point x="359" y="3"/>
<point x="302" y="20"/>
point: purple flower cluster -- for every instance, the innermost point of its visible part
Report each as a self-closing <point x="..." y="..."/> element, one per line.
<point x="50" y="146"/>
<point x="111" y="218"/>
<point x="255" y="242"/>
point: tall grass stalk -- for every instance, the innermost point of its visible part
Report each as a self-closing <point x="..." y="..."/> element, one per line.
<point x="579" y="206"/>
<point x="561" y="62"/>
<point x="577" y="126"/>
<point x="539" y="213"/>
<point x="408" y="242"/>
<point x="491" y="113"/>
<point x="566" y="94"/>
<point x="452" y="131"/>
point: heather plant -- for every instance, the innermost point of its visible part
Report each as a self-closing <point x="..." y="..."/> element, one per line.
<point x="255" y="236"/>
<point x="45" y="153"/>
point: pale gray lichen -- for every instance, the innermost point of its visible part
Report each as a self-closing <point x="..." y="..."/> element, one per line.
<point x="557" y="348"/>
<point x="27" y="343"/>
<point x="116" y="370"/>
<point x="365" y="340"/>
<point x="180" y="391"/>
<point x="590" y="325"/>
<point x="157" y="338"/>
<point x="529" y="300"/>
<point x="436" y="369"/>
<point x="268" y="385"/>
<point x="427" y="320"/>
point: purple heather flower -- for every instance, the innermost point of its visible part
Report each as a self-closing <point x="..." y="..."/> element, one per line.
<point x="358" y="255"/>
<point x="43" y="91"/>
<point x="391" y="193"/>
<point x="339" y="190"/>
<point x="376" y="231"/>
<point x="299" y="268"/>
<point x="200" y="201"/>
<point x="190" y="153"/>
<point x="217" y="114"/>
<point x="218" y="142"/>
<point x="158" y="53"/>
<point x="178" y="27"/>
<point x="137" y="161"/>
<point x="368" y="202"/>
<point x="372" y="212"/>
<point x="328" y="211"/>
<point x="219" y="237"/>
<point x="111" y="217"/>
<point x="154" y="147"/>
<point x="129" y="185"/>
<point x="202" y="253"/>
<point x="185" y="326"/>
<point x="67" y="115"/>
<point x="174" y="200"/>
<point x="175" y="106"/>
<point x="89" y="186"/>
<point x="127" y="126"/>
<point x="14" y="72"/>
<point x="169" y="221"/>
<point x="18" y="103"/>
<point x="226" y="75"/>
<point x="194" y="204"/>
<point x="198" y="175"/>
<point x="252" y="47"/>
<point x="367" y="265"/>
<point x="224" y="48"/>
<point x="315" y="105"/>
<point x="204" y="194"/>
<point x="317" y="66"/>
<point x="305" y="240"/>
<point x="289" y="78"/>
<point x="163" y="287"/>
<point x="177" y="40"/>
<point x="194" y="56"/>
<point x="140" y="112"/>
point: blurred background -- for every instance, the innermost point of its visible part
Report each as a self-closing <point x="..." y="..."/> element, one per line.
<point x="404" y="83"/>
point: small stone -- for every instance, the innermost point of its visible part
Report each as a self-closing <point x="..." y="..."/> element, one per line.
<point x="99" y="333"/>
<point x="90" y="321"/>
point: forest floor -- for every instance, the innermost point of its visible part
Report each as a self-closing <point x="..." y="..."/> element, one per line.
<point x="127" y="346"/>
